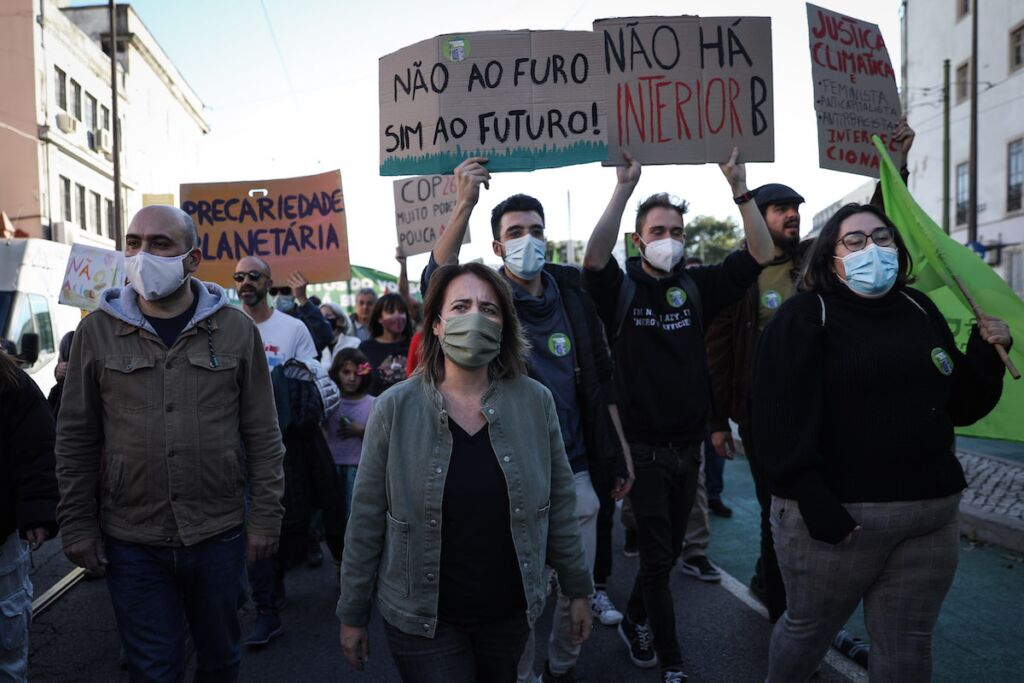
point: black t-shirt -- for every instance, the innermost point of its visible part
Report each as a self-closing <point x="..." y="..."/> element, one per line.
<point x="480" y="579"/>
<point x="389" y="363"/>
<point x="169" y="328"/>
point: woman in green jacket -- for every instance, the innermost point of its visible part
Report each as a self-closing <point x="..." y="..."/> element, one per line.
<point x="463" y="493"/>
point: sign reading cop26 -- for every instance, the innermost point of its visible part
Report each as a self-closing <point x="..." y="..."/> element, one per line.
<point x="855" y="93"/>
<point x="688" y="89"/>
<point x="294" y="224"/>
<point x="423" y="208"/>
<point x="523" y="99"/>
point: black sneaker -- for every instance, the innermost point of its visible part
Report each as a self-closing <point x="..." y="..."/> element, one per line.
<point x="567" y="677"/>
<point x="641" y="643"/>
<point x="673" y="676"/>
<point x="630" y="548"/>
<point x="719" y="509"/>
<point x="699" y="568"/>
<point x="267" y="627"/>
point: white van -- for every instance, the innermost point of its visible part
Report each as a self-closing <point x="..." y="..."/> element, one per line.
<point x="31" y="275"/>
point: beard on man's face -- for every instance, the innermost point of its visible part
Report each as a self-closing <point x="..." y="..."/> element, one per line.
<point x="789" y="236"/>
<point x="251" y="294"/>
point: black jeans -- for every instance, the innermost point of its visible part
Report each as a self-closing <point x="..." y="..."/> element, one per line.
<point x="767" y="572"/>
<point x="488" y="653"/>
<point x="662" y="495"/>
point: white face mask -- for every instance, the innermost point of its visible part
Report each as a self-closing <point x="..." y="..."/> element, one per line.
<point x="664" y="254"/>
<point x="155" y="277"/>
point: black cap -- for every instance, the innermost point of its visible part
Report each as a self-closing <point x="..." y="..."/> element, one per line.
<point x="775" y="193"/>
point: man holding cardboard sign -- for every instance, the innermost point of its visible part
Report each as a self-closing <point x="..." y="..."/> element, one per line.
<point x="654" y="314"/>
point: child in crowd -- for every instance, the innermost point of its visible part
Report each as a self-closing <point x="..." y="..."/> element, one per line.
<point x="343" y="426"/>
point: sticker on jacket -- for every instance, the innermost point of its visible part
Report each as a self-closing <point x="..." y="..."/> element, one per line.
<point x="771" y="299"/>
<point x="676" y="297"/>
<point x="559" y="344"/>
<point x="942" y="361"/>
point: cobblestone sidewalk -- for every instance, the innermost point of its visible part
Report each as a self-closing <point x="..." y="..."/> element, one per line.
<point x="992" y="508"/>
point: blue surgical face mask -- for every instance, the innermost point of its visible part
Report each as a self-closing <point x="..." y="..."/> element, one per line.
<point x="524" y="257"/>
<point x="871" y="272"/>
<point x="284" y="303"/>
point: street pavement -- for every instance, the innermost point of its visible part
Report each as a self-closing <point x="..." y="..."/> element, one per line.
<point x="723" y="633"/>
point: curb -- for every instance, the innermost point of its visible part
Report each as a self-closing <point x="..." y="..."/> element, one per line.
<point x="979" y="525"/>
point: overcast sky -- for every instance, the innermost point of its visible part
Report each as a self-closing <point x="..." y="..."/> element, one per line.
<point x="314" y="107"/>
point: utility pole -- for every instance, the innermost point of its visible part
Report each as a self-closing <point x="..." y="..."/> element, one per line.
<point x="115" y="127"/>
<point x="945" y="146"/>
<point x="972" y="202"/>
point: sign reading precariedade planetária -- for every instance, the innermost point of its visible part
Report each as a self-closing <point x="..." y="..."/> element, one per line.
<point x="294" y="224"/>
<point x="688" y="89"/>
<point x="855" y="93"/>
<point x="524" y="99"/>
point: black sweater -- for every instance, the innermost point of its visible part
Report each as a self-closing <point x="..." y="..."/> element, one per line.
<point x="862" y="407"/>
<point x="661" y="367"/>
<point x="28" y="482"/>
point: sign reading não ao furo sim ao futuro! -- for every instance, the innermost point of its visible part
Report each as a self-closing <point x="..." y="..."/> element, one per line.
<point x="668" y="89"/>
<point x="294" y="224"/>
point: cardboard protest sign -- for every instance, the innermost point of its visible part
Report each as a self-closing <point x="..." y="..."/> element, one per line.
<point x="90" y="271"/>
<point x="855" y="93"/>
<point x="294" y="224"/>
<point x="688" y="89"/>
<point x="523" y="99"/>
<point x="423" y="207"/>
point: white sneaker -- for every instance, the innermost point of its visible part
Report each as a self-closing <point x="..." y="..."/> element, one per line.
<point x="604" y="610"/>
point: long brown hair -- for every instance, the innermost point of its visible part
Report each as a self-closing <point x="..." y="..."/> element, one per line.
<point x="511" y="360"/>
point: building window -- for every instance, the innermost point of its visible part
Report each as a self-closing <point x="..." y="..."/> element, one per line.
<point x="1014" y="174"/>
<point x="76" y="99"/>
<point x="963" y="75"/>
<point x="91" y="120"/>
<point x="105" y="117"/>
<point x="1017" y="48"/>
<point x="110" y="218"/>
<point x="962" y="171"/>
<point x="963" y="8"/>
<point x="65" y="199"/>
<point x="96" y="205"/>
<point x="1015" y="269"/>
<point x="61" y="87"/>
<point x="83" y="214"/>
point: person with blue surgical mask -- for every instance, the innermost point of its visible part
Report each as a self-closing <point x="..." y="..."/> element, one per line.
<point x="858" y="385"/>
<point x="570" y="357"/>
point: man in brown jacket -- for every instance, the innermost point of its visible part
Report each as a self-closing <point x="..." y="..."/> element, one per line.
<point x="167" y="414"/>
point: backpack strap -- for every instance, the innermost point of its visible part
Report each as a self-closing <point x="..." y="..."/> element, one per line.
<point x="693" y="296"/>
<point x="822" y="302"/>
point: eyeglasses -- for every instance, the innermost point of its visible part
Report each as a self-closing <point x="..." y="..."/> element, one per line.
<point x="253" y="275"/>
<point x="857" y="240"/>
<point x="274" y="291"/>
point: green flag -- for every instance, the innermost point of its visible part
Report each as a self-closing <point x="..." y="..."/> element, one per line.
<point x="936" y="258"/>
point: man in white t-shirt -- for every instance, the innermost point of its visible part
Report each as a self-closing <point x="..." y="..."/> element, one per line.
<point x="284" y="336"/>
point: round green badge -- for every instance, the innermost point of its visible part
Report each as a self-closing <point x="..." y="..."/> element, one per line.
<point x="676" y="297"/>
<point x="559" y="344"/>
<point x="942" y="361"/>
<point x="771" y="299"/>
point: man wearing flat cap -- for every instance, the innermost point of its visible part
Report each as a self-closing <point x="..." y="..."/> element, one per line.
<point x="731" y="341"/>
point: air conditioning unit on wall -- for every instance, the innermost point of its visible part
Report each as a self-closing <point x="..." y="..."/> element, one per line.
<point x="66" y="123"/>
<point x="102" y="140"/>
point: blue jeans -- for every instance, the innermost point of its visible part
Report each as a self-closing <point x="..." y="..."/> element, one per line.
<point x="714" y="468"/>
<point x="156" y="589"/>
<point x="456" y="654"/>
<point x="347" y="478"/>
<point x="15" y="609"/>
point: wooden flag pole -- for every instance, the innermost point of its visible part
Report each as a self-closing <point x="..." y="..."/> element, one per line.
<point x="1005" y="357"/>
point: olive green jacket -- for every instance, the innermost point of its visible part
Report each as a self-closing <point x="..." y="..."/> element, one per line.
<point x="393" y="541"/>
<point x="150" y="439"/>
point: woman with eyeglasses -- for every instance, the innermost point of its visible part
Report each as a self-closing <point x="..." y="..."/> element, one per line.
<point x="858" y="386"/>
<point x="388" y="345"/>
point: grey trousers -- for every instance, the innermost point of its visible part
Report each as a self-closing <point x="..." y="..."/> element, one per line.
<point x="698" y="530"/>
<point x="901" y="563"/>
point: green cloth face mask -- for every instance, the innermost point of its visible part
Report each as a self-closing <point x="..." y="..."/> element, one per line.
<point x="471" y="340"/>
